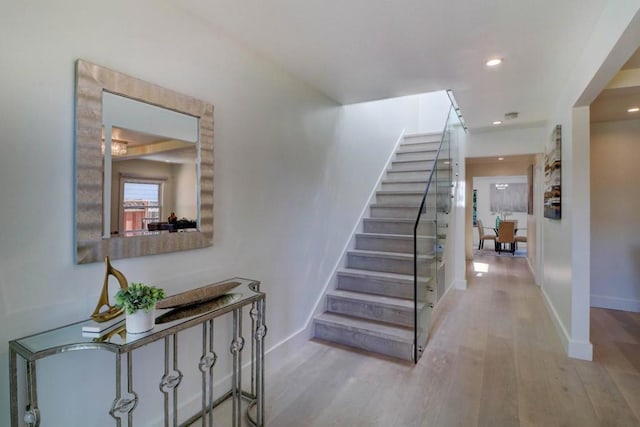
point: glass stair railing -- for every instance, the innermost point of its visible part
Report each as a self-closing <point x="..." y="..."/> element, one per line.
<point x="430" y="233"/>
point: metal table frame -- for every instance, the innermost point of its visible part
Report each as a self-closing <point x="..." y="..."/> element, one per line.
<point x="69" y="338"/>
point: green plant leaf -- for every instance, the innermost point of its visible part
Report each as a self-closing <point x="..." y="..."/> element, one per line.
<point x="138" y="296"/>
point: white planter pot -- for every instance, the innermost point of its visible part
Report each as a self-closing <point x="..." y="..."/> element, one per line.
<point x="140" y="321"/>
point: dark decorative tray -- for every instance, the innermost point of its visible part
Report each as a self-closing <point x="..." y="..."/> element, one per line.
<point x="195" y="296"/>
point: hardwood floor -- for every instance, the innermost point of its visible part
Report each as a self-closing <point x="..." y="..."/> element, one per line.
<point x="493" y="359"/>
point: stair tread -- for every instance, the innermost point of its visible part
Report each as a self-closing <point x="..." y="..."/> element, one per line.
<point x="409" y="170"/>
<point x="372" y="298"/>
<point x="409" y="149"/>
<point x="411" y="220"/>
<point x="405" y="181"/>
<point x="399" y="192"/>
<point x="416" y="148"/>
<point x="381" y="329"/>
<point x="436" y="136"/>
<point x="354" y="272"/>
<point x="411" y="160"/>
<point x="397" y="255"/>
<point x="404" y="220"/>
<point x="393" y="236"/>
<point x="402" y="205"/>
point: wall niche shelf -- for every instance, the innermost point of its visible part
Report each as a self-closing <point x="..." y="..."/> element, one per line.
<point x="169" y="323"/>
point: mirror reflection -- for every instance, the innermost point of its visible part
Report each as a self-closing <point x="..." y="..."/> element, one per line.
<point x="153" y="184"/>
<point x="144" y="167"/>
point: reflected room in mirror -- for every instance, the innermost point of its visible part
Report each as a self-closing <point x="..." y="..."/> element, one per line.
<point x="153" y="184"/>
<point x="144" y="167"/>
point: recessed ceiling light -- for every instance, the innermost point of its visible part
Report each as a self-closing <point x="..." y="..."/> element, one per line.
<point x="493" y="62"/>
<point x="497" y="122"/>
<point x="500" y="158"/>
<point x="633" y="110"/>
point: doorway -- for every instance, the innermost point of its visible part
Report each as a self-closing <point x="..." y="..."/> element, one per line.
<point x="512" y="180"/>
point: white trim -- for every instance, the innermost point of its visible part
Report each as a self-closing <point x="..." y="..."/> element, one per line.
<point x="531" y="269"/>
<point x="615" y="303"/>
<point x="538" y="206"/>
<point x="562" y="332"/>
<point x="421" y="135"/>
<point x="460" y="284"/>
<point x="580" y="350"/>
<point x="575" y="349"/>
<point x="277" y="354"/>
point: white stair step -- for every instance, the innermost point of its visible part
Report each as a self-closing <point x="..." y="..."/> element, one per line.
<point x="386" y="309"/>
<point x="410" y="165"/>
<point x="390" y="262"/>
<point x="380" y="283"/>
<point x="419" y="146"/>
<point x="394" y="341"/>
<point x="404" y="210"/>
<point x="396" y="226"/>
<point x="394" y="197"/>
<point x="422" y="138"/>
<point x="393" y="243"/>
<point x="425" y="148"/>
<point x="395" y="175"/>
<point x="404" y="185"/>
<point x="416" y="155"/>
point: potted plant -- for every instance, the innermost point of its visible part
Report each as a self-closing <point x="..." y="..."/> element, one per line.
<point x="138" y="301"/>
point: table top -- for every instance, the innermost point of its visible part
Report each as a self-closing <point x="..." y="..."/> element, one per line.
<point x="168" y="321"/>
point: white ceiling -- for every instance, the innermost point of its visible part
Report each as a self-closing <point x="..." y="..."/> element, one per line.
<point x="622" y="93"/>
<point x="361" y="50"/>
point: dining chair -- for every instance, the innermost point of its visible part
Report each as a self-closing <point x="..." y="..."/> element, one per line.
<point x="483" y="236"/>
<point x="506" y="235"/>
<point x="520" y="239"/>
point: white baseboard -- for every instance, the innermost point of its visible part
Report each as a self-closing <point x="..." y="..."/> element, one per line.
<point x="580" y="350"/>
<point x="574" y="348"/>
<point x="460" y="284"/>
<point x="278" y="353"/>
<point x="615" y="303"/>
<point x="532" y="270"/>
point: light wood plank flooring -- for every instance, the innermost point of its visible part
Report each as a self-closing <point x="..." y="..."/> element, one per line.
<point x="493" y="359"/>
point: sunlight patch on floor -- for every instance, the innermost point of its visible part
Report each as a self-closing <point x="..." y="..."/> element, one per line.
<point x="480" y="267"/>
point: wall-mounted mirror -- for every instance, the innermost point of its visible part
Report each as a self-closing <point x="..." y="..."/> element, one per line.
<point x="144" y="167"/>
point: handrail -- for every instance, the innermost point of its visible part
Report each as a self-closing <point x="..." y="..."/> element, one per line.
<point x="452" y="99"/>
<point x="416" y="225"/>
<point x="435" y="161"/>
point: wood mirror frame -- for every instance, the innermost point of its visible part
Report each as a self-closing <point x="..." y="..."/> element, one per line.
<point x="91" y="81"/>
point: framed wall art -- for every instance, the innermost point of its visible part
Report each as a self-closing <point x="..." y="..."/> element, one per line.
<point x="553" y="175"/>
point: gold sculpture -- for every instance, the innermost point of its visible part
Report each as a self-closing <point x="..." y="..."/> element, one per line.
<point x="111" y="311"/>
<point x="120" y="330"/>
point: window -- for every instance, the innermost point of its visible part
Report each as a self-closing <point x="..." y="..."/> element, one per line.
<point x="141" y="204"/>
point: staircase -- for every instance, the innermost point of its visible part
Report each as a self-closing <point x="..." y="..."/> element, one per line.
<point x="372" y="307"/>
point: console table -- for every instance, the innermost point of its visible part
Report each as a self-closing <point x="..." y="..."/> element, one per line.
<point x="168" y="324"/>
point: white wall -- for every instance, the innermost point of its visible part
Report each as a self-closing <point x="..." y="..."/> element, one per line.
<point x="432" y="111"/>
<point x="615" y="223"/>
<point x="506" y="142"/>
<point x="566" y="243"/>
<point x="293" y="171"/>
<point x="185" y="196"/>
